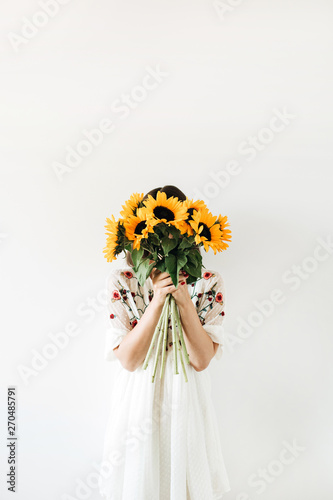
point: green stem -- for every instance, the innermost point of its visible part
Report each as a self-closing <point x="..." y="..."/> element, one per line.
<point x="179" y="325"/>
<point x="174" y="335"/>
<point x="166" y="327"/>
<point x="157" y="354"/>
<point x="163" y="316"/>
<point x="181" y="359"/>
<point x="145" y="363"/>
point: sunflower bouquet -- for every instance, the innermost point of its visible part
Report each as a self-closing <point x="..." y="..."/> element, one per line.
<point x="166" y="233"/>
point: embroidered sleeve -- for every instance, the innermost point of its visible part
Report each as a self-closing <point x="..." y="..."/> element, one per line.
<point x="211" y="308"/>
<point x="120" y="311"/>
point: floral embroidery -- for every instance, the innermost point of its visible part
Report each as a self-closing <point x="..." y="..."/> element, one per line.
<point x="128" y="274"/>
<point x="115" y="295"/>
<point x="203" y="300"/>
<point x="207" y="275"/>
<point x="207" y="298"/>
<point x="122" y="295"/>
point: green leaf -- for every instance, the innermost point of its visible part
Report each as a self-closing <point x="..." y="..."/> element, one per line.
<point x="192" y="270"/>
<point x="174" y="231"/>
<point x="185" y="243"/>
<point x="160" y="265"/>
<point x="181" y="261"/>
<point x="137" y="256"/>
<point x="174" y="263"/>
<point x="194" y="257"/>
<point x="171" y="267"/>
<point x="168" y="244"/>
<point x="154" y="239"/>
<point x="143" y="271"/>
<point x="194" y="263"/>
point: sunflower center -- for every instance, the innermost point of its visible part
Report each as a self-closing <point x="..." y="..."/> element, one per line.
<point x="140" y="227"/>
<point x="164" y="213"/>
<point x="206" y="232"/>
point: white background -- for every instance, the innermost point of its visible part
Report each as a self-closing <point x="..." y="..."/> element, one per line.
<point x="227" y="68"/>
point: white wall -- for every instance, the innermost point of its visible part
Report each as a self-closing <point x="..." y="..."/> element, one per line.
<point x="228" y="70"/>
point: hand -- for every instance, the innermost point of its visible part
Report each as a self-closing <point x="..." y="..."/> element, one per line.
<point x="162" y="285"/>
<point x="181" y="294"/>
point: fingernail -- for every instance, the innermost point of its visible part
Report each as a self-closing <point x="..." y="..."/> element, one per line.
<point x="182" y="283"/>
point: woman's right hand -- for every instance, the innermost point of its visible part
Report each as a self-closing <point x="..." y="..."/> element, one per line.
<point x="162" y="284"/>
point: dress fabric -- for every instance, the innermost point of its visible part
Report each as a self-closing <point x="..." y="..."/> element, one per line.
<point x="162" y="438"/>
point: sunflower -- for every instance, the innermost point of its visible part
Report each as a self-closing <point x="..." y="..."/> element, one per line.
<point x="131" y="205"/>
<point x="206" y="230"/>
<point x="112" y="241"/>
<point x="226" y="233"/>
<point x="190" y="207"/>
<point x="169" y="210"/>
<point x="138" y="226"/>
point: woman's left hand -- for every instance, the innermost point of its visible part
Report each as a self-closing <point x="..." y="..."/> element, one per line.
<point x="181" y="294"/>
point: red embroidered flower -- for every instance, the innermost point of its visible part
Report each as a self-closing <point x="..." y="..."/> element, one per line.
<point x="199" y="295"/>
<point x="222" y="313"/>
<point x="112" y="316"/>
<point x="207" y="275"/>
<point x="210" y="298"/>
<point x="115" y="295"/>
<point x="128" y="274"/>
<point x="134" y="322"/>
<point x="219" y="297"/>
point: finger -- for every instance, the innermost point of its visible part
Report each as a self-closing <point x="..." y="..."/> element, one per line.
<point x="163" y="275"/>
<point x="166" y="282"/>
<point x="165" y="278"/>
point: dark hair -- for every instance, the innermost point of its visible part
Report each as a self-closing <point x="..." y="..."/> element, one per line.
<point x="169" y="191"/>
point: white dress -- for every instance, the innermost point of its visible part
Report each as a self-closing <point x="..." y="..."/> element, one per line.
<point x="162" y="438"/>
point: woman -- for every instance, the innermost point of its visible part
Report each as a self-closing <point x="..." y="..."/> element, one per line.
<point x="162" y="440"/>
